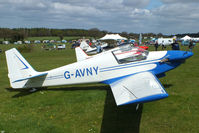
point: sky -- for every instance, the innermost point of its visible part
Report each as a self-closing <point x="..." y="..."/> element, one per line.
<point x="132" y="16"/>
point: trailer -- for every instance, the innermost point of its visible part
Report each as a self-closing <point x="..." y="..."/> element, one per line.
<point x="165" y="41"/>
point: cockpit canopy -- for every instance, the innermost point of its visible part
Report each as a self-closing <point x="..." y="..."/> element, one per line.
<point x="129" y="53"/>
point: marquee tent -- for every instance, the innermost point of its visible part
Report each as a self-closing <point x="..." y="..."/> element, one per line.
<point x="186" y="38"/>
<point x="113" y="37"/>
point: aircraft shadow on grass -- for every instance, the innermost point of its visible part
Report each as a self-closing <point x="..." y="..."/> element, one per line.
<point x="116" y="119"/>
<point x="120" y="119"/>
<point x="25" y="92"/>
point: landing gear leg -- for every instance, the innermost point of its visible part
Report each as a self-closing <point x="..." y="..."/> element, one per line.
<point x="137" y="107"/>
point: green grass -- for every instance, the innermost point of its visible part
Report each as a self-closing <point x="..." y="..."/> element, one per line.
<point x="91" y="108"/>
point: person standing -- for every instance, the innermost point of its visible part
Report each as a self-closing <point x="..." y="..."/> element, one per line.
<point x="191" y="45"/>
<point x="156" y="45"/>
<point x="163" y="46"/>
<point x="175" y="45"/>
<point x="99" y="48"/>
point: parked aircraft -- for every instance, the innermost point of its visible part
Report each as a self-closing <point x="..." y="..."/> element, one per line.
<point x="95" y="50"/>
<point x="91" y="50"/>
<point x="132" y="73"/>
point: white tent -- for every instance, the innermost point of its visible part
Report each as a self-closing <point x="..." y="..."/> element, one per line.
<point x="113" y="37"/>
<point x="186" y="38"/>
<point x="196" y="39"/>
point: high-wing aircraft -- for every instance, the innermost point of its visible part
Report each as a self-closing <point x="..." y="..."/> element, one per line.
<point x="132" y="73"/>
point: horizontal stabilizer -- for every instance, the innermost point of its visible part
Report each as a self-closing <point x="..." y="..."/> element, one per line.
<point x="138" y="88"/>
<point x="34" y="76"/>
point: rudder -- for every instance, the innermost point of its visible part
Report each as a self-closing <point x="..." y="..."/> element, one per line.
<point x="18" y="68"/>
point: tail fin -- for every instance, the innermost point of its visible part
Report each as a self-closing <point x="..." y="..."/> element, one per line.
<point x="19" y="70"/>
<point x="80" y="54"/>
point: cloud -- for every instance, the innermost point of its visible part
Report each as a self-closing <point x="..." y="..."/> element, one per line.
<point x="75" y="10"/>
<point x="114" y="15"/>
<point x="136" y="3"/>
<point x="177" y="17"/>
<point x="179" y="1"/>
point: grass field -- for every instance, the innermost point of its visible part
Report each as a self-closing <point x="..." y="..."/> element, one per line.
<point x="91" y="108"/>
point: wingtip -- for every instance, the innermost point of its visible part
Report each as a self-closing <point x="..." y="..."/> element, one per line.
<point x="147" y="99"/>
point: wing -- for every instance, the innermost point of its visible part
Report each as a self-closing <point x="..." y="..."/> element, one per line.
<point x="138" y="88"/>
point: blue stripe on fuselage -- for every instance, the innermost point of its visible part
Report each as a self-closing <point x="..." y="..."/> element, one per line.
<point x="132" y="63"/>
<point x="127" y="66"/>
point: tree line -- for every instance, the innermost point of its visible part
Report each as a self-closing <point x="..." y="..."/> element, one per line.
<point x="189" y="34"/>
<point x="17" y="34"/>
<point x="21" y="34"/>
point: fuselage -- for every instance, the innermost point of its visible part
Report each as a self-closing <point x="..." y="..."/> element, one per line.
<point x="107" y="68"/>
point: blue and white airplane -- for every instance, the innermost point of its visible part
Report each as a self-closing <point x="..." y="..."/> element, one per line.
<point x="131" y="72"/>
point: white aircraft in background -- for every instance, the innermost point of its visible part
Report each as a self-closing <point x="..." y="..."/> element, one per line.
<point x="132" y="73"/>
<point x="84" y="45"/>
<point x="92" y="50"/>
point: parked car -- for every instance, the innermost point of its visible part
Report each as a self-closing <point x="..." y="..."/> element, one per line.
<point x="61" y="46"/>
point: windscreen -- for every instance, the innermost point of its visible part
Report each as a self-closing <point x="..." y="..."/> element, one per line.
<point x="129" y="53"/>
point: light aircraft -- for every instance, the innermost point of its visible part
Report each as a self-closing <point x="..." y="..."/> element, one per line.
<point x="89" y="50"/>
<point x="132" y="73"/>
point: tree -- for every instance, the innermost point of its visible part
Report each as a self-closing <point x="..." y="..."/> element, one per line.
<point x="5" y="33"/>
<point x="125" y="34"/>
<point x="61" y="37"/>
<point x="94" y="32"/>
<point x="16" y="36"/>
<point x="159" y="35"/>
